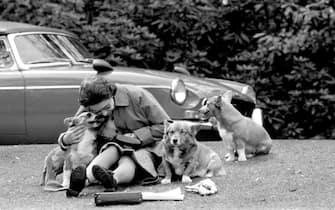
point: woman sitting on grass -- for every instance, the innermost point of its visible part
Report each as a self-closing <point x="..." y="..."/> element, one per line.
<point x="130" y="157"/>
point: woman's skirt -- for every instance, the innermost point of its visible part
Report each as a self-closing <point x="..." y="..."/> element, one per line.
<point x="147" y="161"/>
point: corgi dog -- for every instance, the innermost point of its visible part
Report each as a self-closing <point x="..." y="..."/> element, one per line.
<point x="241" y="134"/>
<point x="184" y="156"/>
<point x="81" y="153"/>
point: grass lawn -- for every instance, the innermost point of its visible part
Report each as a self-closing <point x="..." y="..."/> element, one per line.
<point x="295" y="175"/>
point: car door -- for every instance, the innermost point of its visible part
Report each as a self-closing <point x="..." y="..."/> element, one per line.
<point x="52" y="77"/>
<point x="51" y="95"/>
<point x="12" y="118"/>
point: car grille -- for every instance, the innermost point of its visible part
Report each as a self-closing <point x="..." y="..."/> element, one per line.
<point x="244" y="107"/>
<point x="208" y="135"/>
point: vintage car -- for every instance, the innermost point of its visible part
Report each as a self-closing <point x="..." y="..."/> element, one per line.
<point x="41" y="69"/>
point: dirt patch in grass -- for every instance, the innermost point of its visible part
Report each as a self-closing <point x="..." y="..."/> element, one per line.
<point x="295" y="175"/>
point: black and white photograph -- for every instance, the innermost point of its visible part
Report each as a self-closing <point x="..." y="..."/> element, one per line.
<point x="167" y="104"/>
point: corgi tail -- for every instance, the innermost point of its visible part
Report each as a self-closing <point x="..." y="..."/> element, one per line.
<point x="43" y="177"/>
<point x="221" y="172"/>
<point x="263" y="149"/>
<point x="216" y="166"/>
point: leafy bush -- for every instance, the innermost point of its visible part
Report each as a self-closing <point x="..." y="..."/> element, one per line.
<point x="283" y="49"/>
<point x="298" y="62"/>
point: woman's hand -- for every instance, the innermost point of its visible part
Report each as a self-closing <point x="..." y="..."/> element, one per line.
<point x="73" y="135"/>
<point x="109" y="130"/>
<point x="132" y="135"/>
<point x="128" y="139"/>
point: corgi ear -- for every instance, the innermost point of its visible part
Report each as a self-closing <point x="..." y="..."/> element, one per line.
<point x="68" y="121"/>
<point x="167" y="123"/>
<point x="218" y="102"/>
<point x="195" y="128"/>
<point x="227" y="96"/>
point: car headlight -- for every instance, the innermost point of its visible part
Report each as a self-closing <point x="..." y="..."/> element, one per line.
<point x="178" y="91"/>
<point x="257" y="116"/>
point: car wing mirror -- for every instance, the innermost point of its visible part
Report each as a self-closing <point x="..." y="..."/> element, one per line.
<point x="181" y="70"/>
<point x="5" y="58"/>
<point x="101" y="66"/>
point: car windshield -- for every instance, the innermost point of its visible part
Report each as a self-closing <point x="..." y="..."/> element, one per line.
<point x="49" y="48"/>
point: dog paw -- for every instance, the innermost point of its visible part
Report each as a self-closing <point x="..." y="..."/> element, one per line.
<point x="186" y="179"/>
<point x="229" y="158"/>
<point x="209" y="174"/>
<point x="54" y="186"/>
<point x="166" y="181"/>
<point x="66" y="183"/>
<point x="250" y="155"/>
<point x="242" y="159"/>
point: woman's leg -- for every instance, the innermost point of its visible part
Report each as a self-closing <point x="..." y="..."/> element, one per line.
<point x="125" y="172"/>
<point x="105" y="159"/>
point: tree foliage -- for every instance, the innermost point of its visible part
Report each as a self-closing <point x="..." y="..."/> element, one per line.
<point x="284" y="49"/>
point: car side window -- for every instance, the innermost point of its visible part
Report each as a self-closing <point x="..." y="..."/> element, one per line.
<point x="39" y="48"/>
<point x="6" y="59"/>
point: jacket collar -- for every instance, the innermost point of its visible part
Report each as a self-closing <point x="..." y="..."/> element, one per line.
<point x="121" y="97"/>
